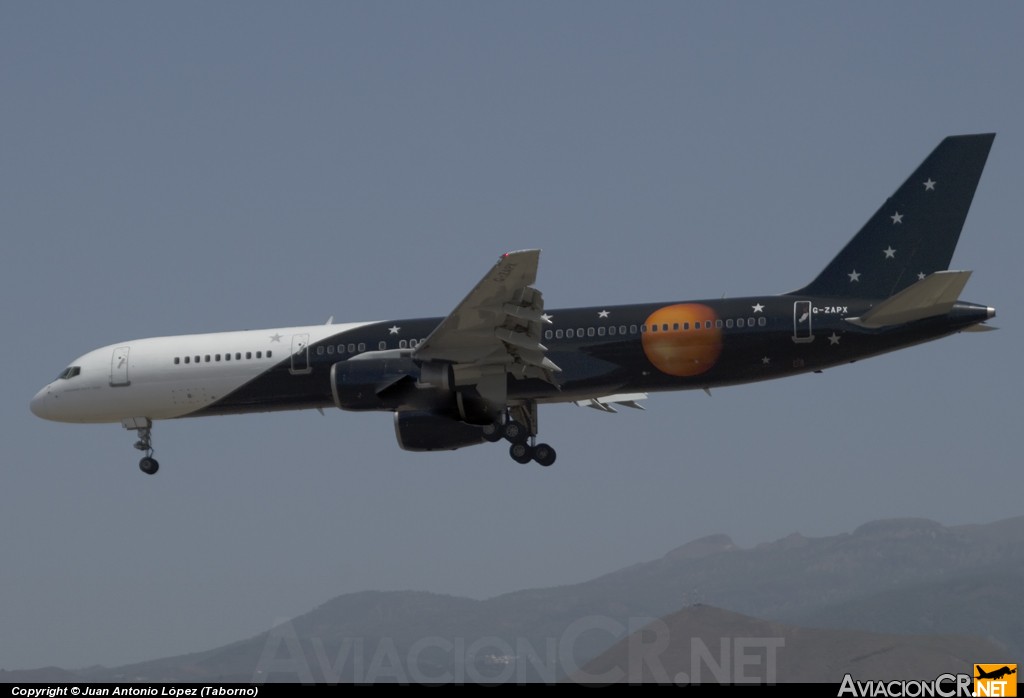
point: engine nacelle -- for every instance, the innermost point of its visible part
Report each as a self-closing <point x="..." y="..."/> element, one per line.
<point x="373" y="383"/>
<point x="429" y="431"/>
<point x="394" y="381"/>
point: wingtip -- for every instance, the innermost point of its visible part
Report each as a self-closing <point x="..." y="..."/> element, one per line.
<point x="513" y="253"/>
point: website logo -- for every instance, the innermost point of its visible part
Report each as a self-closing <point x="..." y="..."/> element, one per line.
<point x="995" y="680"/>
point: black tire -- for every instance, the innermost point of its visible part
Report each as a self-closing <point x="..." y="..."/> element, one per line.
<point x="492" y="432"/>
<point x="521" y="453"/>
<point x="149" y="465"/>
<point x="544" y="455"/>
<point x="516" y="432"/>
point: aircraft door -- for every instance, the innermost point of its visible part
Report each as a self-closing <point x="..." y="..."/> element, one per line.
<point x="300" y="354"/>
<point x="802" y="332"/>
<point x="119" y="367"/>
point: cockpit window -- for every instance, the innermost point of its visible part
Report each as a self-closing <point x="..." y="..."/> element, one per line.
<point x="69" y="372"/>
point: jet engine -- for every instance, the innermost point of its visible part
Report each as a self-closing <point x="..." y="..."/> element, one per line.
<point x="427" y="431"/>
<point x="392" y="381"/>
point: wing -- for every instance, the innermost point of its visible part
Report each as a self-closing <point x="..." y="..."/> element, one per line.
<point x="497" y="326"/>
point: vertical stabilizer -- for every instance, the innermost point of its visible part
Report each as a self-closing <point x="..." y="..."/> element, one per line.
<point x="915" y="231"/>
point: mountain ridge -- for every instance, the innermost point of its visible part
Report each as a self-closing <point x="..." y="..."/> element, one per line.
<point x="903" y="576"/>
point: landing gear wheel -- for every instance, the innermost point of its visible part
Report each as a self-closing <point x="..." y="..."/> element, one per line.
<point x="521" y="453"/>
<point x="492" y="432"/>
<point x="143" y="426"/>
<point x="515" y="432"/>
<point x="544" y="454"/>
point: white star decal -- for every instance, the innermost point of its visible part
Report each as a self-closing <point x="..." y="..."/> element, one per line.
<point x="889" y="252"/>
<point x="603" y="313"/>
<point x="896" y="218"/>
<point x="833" y="339"/>
<point x="929" y="185"/>
<point x="546" y="318"/>
<point x="394" y="329"/>
<point x="275" y="338"/>
<point x="920" y="276"/>
<point x="765" y="360"/>
<point x="854" y="276"/>
<point x="757" y="307"/>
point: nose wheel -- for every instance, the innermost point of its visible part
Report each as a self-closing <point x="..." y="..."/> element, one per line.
<point x="144" y="427"/>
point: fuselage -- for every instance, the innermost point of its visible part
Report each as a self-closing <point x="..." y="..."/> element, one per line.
<point x="600" y="350"/>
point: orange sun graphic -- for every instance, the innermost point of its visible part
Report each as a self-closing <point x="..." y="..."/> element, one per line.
<point x="678" y="351"/>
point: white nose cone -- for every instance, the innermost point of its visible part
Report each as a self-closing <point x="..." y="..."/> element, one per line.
<point x="40" y="404"/>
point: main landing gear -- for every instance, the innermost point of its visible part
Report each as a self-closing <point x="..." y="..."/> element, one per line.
<point x="520" y="429"/>
<point x="148" y="464"/>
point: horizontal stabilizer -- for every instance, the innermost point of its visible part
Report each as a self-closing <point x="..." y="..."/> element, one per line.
<point x="933" y="295"/>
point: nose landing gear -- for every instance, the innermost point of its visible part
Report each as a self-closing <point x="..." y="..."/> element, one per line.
<point x="148" y="464"/>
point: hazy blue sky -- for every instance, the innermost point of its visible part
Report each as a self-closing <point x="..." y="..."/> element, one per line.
<point x="172" y="168"/>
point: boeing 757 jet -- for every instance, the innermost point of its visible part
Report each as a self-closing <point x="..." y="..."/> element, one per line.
<point x="480" y="373"/>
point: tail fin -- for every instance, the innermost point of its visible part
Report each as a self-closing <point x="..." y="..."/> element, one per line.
<point x="915" y="231"/>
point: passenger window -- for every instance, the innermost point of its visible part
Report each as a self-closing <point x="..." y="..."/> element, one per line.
<point x="686" y="325"/>
<point x="728" y="324"/>
<point x="248" y="354"/>
<point x="177" y="360"/>
<point x="611" y="330"/>
<point x="739" y="322"/>
<point x="762" y="321"/>
<point x="227" y="357"/>
<point x="718" y="324"/>
<point x="382" y="345"/>
<point x="570" y="333"/>
<point x="590" y="331"/>
<point x="750" y="322"/>
<point x="216" y="357"/>
<point x="548" y="334"/>
<point x="654" y="328"/>
<point x="362" y="346"/>
<point x="559" y="334"/>
<point x="600" y="331"/>
<point x="269" y="354"/>
<point x="622" y="329"/>
<point x="351" y="348"/>
<point x="402" y="344"/>
<point x="259" y="355"/>
<point x="330" y="349"/>
<point x="186" y="359"/>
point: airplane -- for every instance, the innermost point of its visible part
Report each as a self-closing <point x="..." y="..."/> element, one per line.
<point x="479" y="374"/>
<point x="996" y="674"/>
